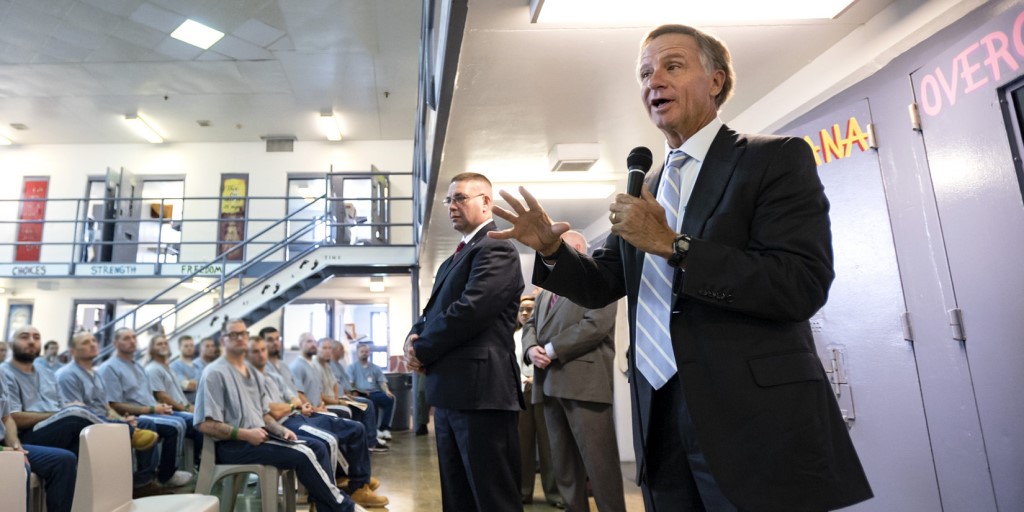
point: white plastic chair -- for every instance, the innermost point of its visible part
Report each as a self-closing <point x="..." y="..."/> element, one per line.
<point x="13" y="478"/>
<point x="210" y="472"/>
<point x="105" y="477"/>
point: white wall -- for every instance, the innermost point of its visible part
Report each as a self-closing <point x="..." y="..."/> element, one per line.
<point x="69" y="167"/>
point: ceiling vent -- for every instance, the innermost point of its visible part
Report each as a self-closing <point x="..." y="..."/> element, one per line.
<point x="573" y="157"/>
<point x="279" y="143"/>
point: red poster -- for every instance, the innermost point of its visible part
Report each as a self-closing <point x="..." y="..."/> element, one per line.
<point x="33" y="208"/>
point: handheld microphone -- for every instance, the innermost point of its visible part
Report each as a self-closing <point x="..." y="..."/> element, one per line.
<point x="638" y="162"/>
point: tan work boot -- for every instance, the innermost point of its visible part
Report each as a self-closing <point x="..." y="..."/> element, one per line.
<point x="143" y="439"/>
<point x="367" y="498"/>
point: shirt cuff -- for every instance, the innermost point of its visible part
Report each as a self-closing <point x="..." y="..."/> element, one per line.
<point x="550" y="349"/>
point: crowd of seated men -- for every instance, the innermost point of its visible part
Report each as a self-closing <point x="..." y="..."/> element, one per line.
<point x="256" y="409"/>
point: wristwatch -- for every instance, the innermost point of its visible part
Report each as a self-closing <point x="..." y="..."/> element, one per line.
<point x="680" y="248"/>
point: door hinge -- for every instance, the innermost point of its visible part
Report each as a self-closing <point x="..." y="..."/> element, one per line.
<point x="956" y="323"/>
<point x="915" y="117"/>
<point x="872" y="139"/>
<point x="908" y="334"/>
<point x="835" y="368"/>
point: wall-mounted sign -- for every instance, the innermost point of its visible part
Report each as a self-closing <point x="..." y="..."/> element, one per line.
<point x="993" y="57"/>
<point x="231" y="231"/>
<point x="115" y="269"/>
<point x="185" y="269"/>
<point x="836" y="143"/>
<point x="33" y="270"/>
<point x="33" y="208"/>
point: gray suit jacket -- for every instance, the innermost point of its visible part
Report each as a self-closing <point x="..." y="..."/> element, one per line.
<point x="583" y="340"/>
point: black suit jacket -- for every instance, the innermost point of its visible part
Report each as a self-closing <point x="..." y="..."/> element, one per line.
<point x="465" y="334"/>
<point x="759" y="266"/>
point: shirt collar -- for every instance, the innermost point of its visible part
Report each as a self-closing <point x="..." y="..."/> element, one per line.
<point x="473" y="233"/>
<point x="698" y="145"/>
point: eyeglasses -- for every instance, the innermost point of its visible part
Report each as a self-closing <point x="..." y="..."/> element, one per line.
<point x="459" y="199"/>
<point x="237" y="335"/>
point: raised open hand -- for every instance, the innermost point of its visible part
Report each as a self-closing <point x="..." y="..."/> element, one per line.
<point x="531" y="225"/>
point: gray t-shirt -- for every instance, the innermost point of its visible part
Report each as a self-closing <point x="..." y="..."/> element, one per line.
<point x="328" y="382"/>
<point x="126" y="382"/>
<point x="78" y="385"/>
<point x="31" y="392"/>
<point x="287" y="381"/>
<point x="341" y="374"/>
<point x="161" y="379"/>
<point x="368" y="379"/>
<point x="186" y="371"/>
<point x="5" y="409"/>
<point x="307" y="380"/>
<point x="227" y="396"/>
<point x="277" y="389"/>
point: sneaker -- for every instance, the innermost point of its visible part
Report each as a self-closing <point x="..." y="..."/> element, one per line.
<point x="374" y="483"/>
<point x="366" y="497"/>
<point x="380" y="448"/>
<point x="386" y="434"/>
<point x="143" y="439"/>
<point x="179" y="479"/>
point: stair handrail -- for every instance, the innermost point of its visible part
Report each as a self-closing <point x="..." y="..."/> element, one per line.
<point x="223" y="275"/>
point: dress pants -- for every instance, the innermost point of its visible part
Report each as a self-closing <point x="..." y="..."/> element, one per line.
<point x="420" y="407"/>
<point x="583" y="445"/>
<point x="678" y="476"/>
<point x="58" y="468"/>
<point x="478" y="455"/>
<point x="305" y="459"/>
<point x="534" y="445"/>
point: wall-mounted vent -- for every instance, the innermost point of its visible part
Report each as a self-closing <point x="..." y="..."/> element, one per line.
<point x="573" y="157"/>
<point x="279" y="143"/>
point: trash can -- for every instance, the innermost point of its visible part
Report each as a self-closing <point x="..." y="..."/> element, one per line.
<point x="401" y="385"/>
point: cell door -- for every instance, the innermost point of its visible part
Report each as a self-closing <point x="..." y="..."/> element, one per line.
<point x="960" y="94"/>
<point x="859" y="333"/>
<point x="124" y="187"/>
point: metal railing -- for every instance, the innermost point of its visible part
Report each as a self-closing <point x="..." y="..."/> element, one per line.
<point x="84" y="243"/>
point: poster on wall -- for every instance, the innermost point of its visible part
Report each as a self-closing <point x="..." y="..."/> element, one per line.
<point x="18" y="315"/>
<point x="33" y="208"/>
<point x="234" y="189"/>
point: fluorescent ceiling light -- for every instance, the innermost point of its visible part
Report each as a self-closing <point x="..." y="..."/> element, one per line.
<point x="656" y="12"/>
<point x="560" y="190"/>
<point x="197" y="34"/>
<point x="143" y="128"/>
<point x="329" y="125"/>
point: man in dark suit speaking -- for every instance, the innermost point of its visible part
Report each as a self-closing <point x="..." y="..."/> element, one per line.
<point x="464" y="343"/>
<point x="724" y="257"/>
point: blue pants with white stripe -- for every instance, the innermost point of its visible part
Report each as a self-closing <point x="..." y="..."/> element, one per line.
<point x="58" y="468"/>
<point x="303" y="458"/>
<point x="171" y="430"/>
<point x="351" y="441"/>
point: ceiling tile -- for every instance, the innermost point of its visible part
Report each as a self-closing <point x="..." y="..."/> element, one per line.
<point x="33" y="20"/>
<point x="171" y="47"/>
<point x="155" y="17"/>
<point x="94" y="19"/>
<point x="116" y="7"/>
<point x="116" y="50"/>
<point x="210" y="55"/>
<point x="139" y="34"/>
<point x="64" y="50"/>
<point x="77" y="36"/>
<point x="240" y="50"/>
<point x="258" y="33"/>
<point x="14" y="54"/>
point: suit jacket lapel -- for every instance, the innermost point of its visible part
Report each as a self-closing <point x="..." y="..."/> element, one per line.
<point x="715" y="173"/>
<point x="453" y="261"/>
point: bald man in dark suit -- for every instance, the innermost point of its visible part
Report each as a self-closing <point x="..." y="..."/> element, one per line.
<point x="464" y="343"/>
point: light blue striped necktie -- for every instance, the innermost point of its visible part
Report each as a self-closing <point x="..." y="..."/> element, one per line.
<point x="654" y="356"/>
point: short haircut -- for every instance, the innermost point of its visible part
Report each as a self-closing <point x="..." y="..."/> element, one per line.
<point x="267" y="330"/>
<point x="181" y="339"/>
<point x="78" y="336"/>
<point x="713" y="54"/>
<point x="471" y="176"/>
<point x="48" y="344"/>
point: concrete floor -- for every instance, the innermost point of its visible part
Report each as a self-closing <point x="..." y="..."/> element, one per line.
<point x="409" y="478"/>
